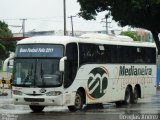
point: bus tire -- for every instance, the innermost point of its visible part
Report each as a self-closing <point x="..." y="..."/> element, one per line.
<point x="118" y="103"/>
<point x="135" y="96"/>
<point x="128" y="95"/>
<point x="78" y="102"/>
<point x="36" y="109"/>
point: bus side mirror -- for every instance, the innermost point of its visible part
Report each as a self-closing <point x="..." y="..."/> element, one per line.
<point x="6" y="65"/>
<point x="62" y="64"/>
<point x="8" y="62"/>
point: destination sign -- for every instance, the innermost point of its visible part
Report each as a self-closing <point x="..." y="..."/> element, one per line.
<point x="39" y="51"/>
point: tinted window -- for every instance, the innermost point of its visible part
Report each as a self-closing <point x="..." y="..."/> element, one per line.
<point x="71" y="64"/>
<point x="94" y="53"/>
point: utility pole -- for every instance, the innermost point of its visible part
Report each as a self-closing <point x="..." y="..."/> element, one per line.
<point x="23" y="26"/>
<point x="106" y="26"/>
<point x="107" y="23"/>
<point x="72" y="24"/>
<point x="64" y="11"/>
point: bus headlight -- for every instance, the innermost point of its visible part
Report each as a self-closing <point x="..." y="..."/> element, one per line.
<point x="53" y="93"/>
<point x="16" y="92"/>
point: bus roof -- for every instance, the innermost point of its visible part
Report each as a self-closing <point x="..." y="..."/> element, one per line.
<point x="48" y="40"/>
<point x="121" y="38"/>
<point x="110" y="40"/>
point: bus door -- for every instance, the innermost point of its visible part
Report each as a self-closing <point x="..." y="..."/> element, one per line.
<point x="71" y="64"/>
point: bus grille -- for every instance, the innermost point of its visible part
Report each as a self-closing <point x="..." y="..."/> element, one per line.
<point x="34" y="99"/>
<point x="34" y="94"/>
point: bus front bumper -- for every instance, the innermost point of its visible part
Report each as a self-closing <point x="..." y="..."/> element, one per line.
<point x="38" y="100"/>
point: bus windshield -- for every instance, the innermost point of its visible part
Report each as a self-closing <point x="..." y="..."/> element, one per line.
<point x="31" y="71"/>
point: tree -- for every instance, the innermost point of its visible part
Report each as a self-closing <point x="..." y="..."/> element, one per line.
<point x="136" y="13"/>
<point x="2" y="52"/>
<point x="4" y="30"/>
<point x="6" y="45"/>
<point x="132" y="34"/>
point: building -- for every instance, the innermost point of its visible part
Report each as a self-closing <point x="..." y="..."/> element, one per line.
<point x="35" y="33"/>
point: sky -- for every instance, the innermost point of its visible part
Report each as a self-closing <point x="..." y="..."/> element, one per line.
<point x="43" y="15"/>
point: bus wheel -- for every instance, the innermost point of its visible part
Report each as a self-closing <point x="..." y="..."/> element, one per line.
<point x="127" y="99"/>
<point x="36" y="109"/>
<point x="135" y="96"/>
<point x="118" y="103"/>
<point x="78" y="102"/>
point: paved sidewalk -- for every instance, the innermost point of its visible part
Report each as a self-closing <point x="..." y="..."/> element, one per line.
<point x="6" y="99"/>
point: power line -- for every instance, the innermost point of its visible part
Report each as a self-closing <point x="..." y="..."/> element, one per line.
<point x="52" y="19"/>
<point x="32" y="18"/>
<point x="15" y="26"/>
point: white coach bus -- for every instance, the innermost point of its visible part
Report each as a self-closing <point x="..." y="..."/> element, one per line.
<point x="72" y="72"/>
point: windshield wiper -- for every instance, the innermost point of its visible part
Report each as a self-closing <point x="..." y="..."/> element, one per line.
<point x="42" y="73"/>
<point x="29" y="75"/>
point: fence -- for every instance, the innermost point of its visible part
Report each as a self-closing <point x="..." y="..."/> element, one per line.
<point x="1" y="65"/>
<point x="5" y="84"/>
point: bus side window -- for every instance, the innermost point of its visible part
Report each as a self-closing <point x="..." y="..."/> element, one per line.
<point x="71" y="64"/>
<point x="139" y="55"/>
<point x="150" y="55"/>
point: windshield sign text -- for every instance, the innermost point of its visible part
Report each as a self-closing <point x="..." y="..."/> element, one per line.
<point x="36" y="50"/>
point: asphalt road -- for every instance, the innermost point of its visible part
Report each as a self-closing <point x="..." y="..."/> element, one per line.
<point x="146" y="109"/>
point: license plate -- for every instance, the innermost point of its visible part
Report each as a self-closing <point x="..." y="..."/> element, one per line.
<point x="34" y="103"/>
